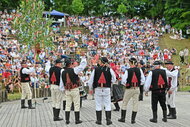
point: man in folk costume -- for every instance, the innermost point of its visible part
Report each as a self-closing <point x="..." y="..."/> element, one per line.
<point x="157" y="82"/>
<point x="132" y="79"/>
<point x="170" y="97"/>
<point x="71" y="85"/>
<point x="101" y="79"/>
<point x="56" y="93"/>
<point x="25" y="72"/>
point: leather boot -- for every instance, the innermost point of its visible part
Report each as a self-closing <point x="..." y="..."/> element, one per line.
<point x="123" y="115"/>
<point x="77" y="118"/>
<point x="154" y="119"/>
<point x="64" y="104"/>
<point x="173" y="114"/>
<point x="169" y="108"/>
<point x="99" y="117"/>
<point x="117" y="108"/>
<point x="30" y="104"/>
<point x="133" y="117"/>
<point x="57" y="118"/>
<point x="54" y="113"/>
<point x="164" y="116"/>
<point x="23" y="104"/>
<point x="108" y="117"/>
<point x="67" y="116"/>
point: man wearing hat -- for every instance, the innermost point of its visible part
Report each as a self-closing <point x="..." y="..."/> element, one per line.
<point x="156" y="82"/>
<point x="170" y="97"/>
<point x="25" y="72"/>
<point x="132" y="79"/>
<point x="56" y="94"/>
<point x="71" y="85"/>
<point x="101" y="79"/>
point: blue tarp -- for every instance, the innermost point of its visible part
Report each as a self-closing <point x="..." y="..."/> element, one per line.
<point x="57" y="13"/>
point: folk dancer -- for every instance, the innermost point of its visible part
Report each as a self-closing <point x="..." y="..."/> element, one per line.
<point x="132" y="79"/>
<point x="101" y="79"/>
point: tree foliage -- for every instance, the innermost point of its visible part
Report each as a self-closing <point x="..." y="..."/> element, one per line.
<point x="32" y="29"/>
<point x="122" y="9"/>
<point x="77" y="6"/>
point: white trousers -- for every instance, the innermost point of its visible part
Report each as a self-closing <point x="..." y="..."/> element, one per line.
<point x="131" y="93"/>
<point x="26" y="91"/>
<point x="170" y="99"/>
<point x="56" y="96"/>
<point x="103" y="97"/>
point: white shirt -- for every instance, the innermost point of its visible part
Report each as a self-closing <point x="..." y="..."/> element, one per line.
<point x="149" y="79"/>
<point x="28" y="71"/>
<point x="125" y="76"/>
<point x="77" y="70"/>
<point x="91" y="80"/>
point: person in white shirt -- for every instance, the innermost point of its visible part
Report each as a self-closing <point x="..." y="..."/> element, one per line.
<point x="170" y="97"/>
<point x="25" y="72"/>
<point x="71" y="84"/>
<point x="101" y="79"/>
<point x="132" y="79"/>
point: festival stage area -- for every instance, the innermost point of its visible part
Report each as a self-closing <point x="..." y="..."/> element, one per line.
<point x="11" y="115"/>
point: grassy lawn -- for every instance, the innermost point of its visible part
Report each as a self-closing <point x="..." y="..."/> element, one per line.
<point x="14" y="96"/>
<point x="166" y="42"/>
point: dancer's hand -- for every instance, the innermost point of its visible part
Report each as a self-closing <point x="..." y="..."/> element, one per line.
<point x="146" y="94"/>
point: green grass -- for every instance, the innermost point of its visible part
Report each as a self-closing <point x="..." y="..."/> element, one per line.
<point x="185" y="88"/>
<point x="14" y="96"/>
<point x="166" y="42"/>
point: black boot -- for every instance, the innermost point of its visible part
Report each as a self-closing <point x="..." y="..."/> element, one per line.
<point x="30" y="104"/>
<point x="57" y="118"/>
<point x="164" y="116"/>
<point x="154" y="120"/>
<point x="99" y="117"/>
<point x="169" y="108"/>
<point x="67" y="116"/>
<point x="108" y="117"/>
<point x="123" y="115"/>
<point x="64" y="104"/>
<point x="117" y="108"/>
<point x="133" y="117"/>
<point x="54" y="113"/>
<point x="173" y="114"/>
<point x="77" y="118"/>
<point x="23" y="104"/>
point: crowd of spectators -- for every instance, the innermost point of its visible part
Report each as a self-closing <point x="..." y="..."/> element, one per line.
<point x="117" y="39"/>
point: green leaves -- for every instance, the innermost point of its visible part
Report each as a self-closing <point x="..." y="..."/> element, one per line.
<point x="122" y="9"/>
<point x="77" y="6"/>
<point x="31" y="27"/>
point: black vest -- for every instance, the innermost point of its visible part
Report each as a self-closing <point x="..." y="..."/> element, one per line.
<point x="98" y="71"/>
<point x="155" y="77"/>
<point x="75" y="82"/>
<point x="131" y="72"/>
<point x="54" y="73"/>
<point x="24" y="77"/>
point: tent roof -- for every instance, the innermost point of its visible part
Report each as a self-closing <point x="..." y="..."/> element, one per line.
<point x="57" y="13"/>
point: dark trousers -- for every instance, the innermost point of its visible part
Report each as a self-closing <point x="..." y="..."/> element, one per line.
<point x="182" y="59"/>
<point x="158" y="97"/>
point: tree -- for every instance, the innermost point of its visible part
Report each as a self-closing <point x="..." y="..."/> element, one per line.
<point x="32" y="29"/>
<point x="77" y="6"/>
<point x="9" y="4"/>
<point x="122" y="9"/>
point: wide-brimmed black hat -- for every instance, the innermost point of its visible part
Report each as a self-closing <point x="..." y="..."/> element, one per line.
<point x="169" y="62"/>
<point x="133" y="60"/>
<point x="60" y="60"/>
<point x="104" y="60"/>
<point x="157" y="63"/>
